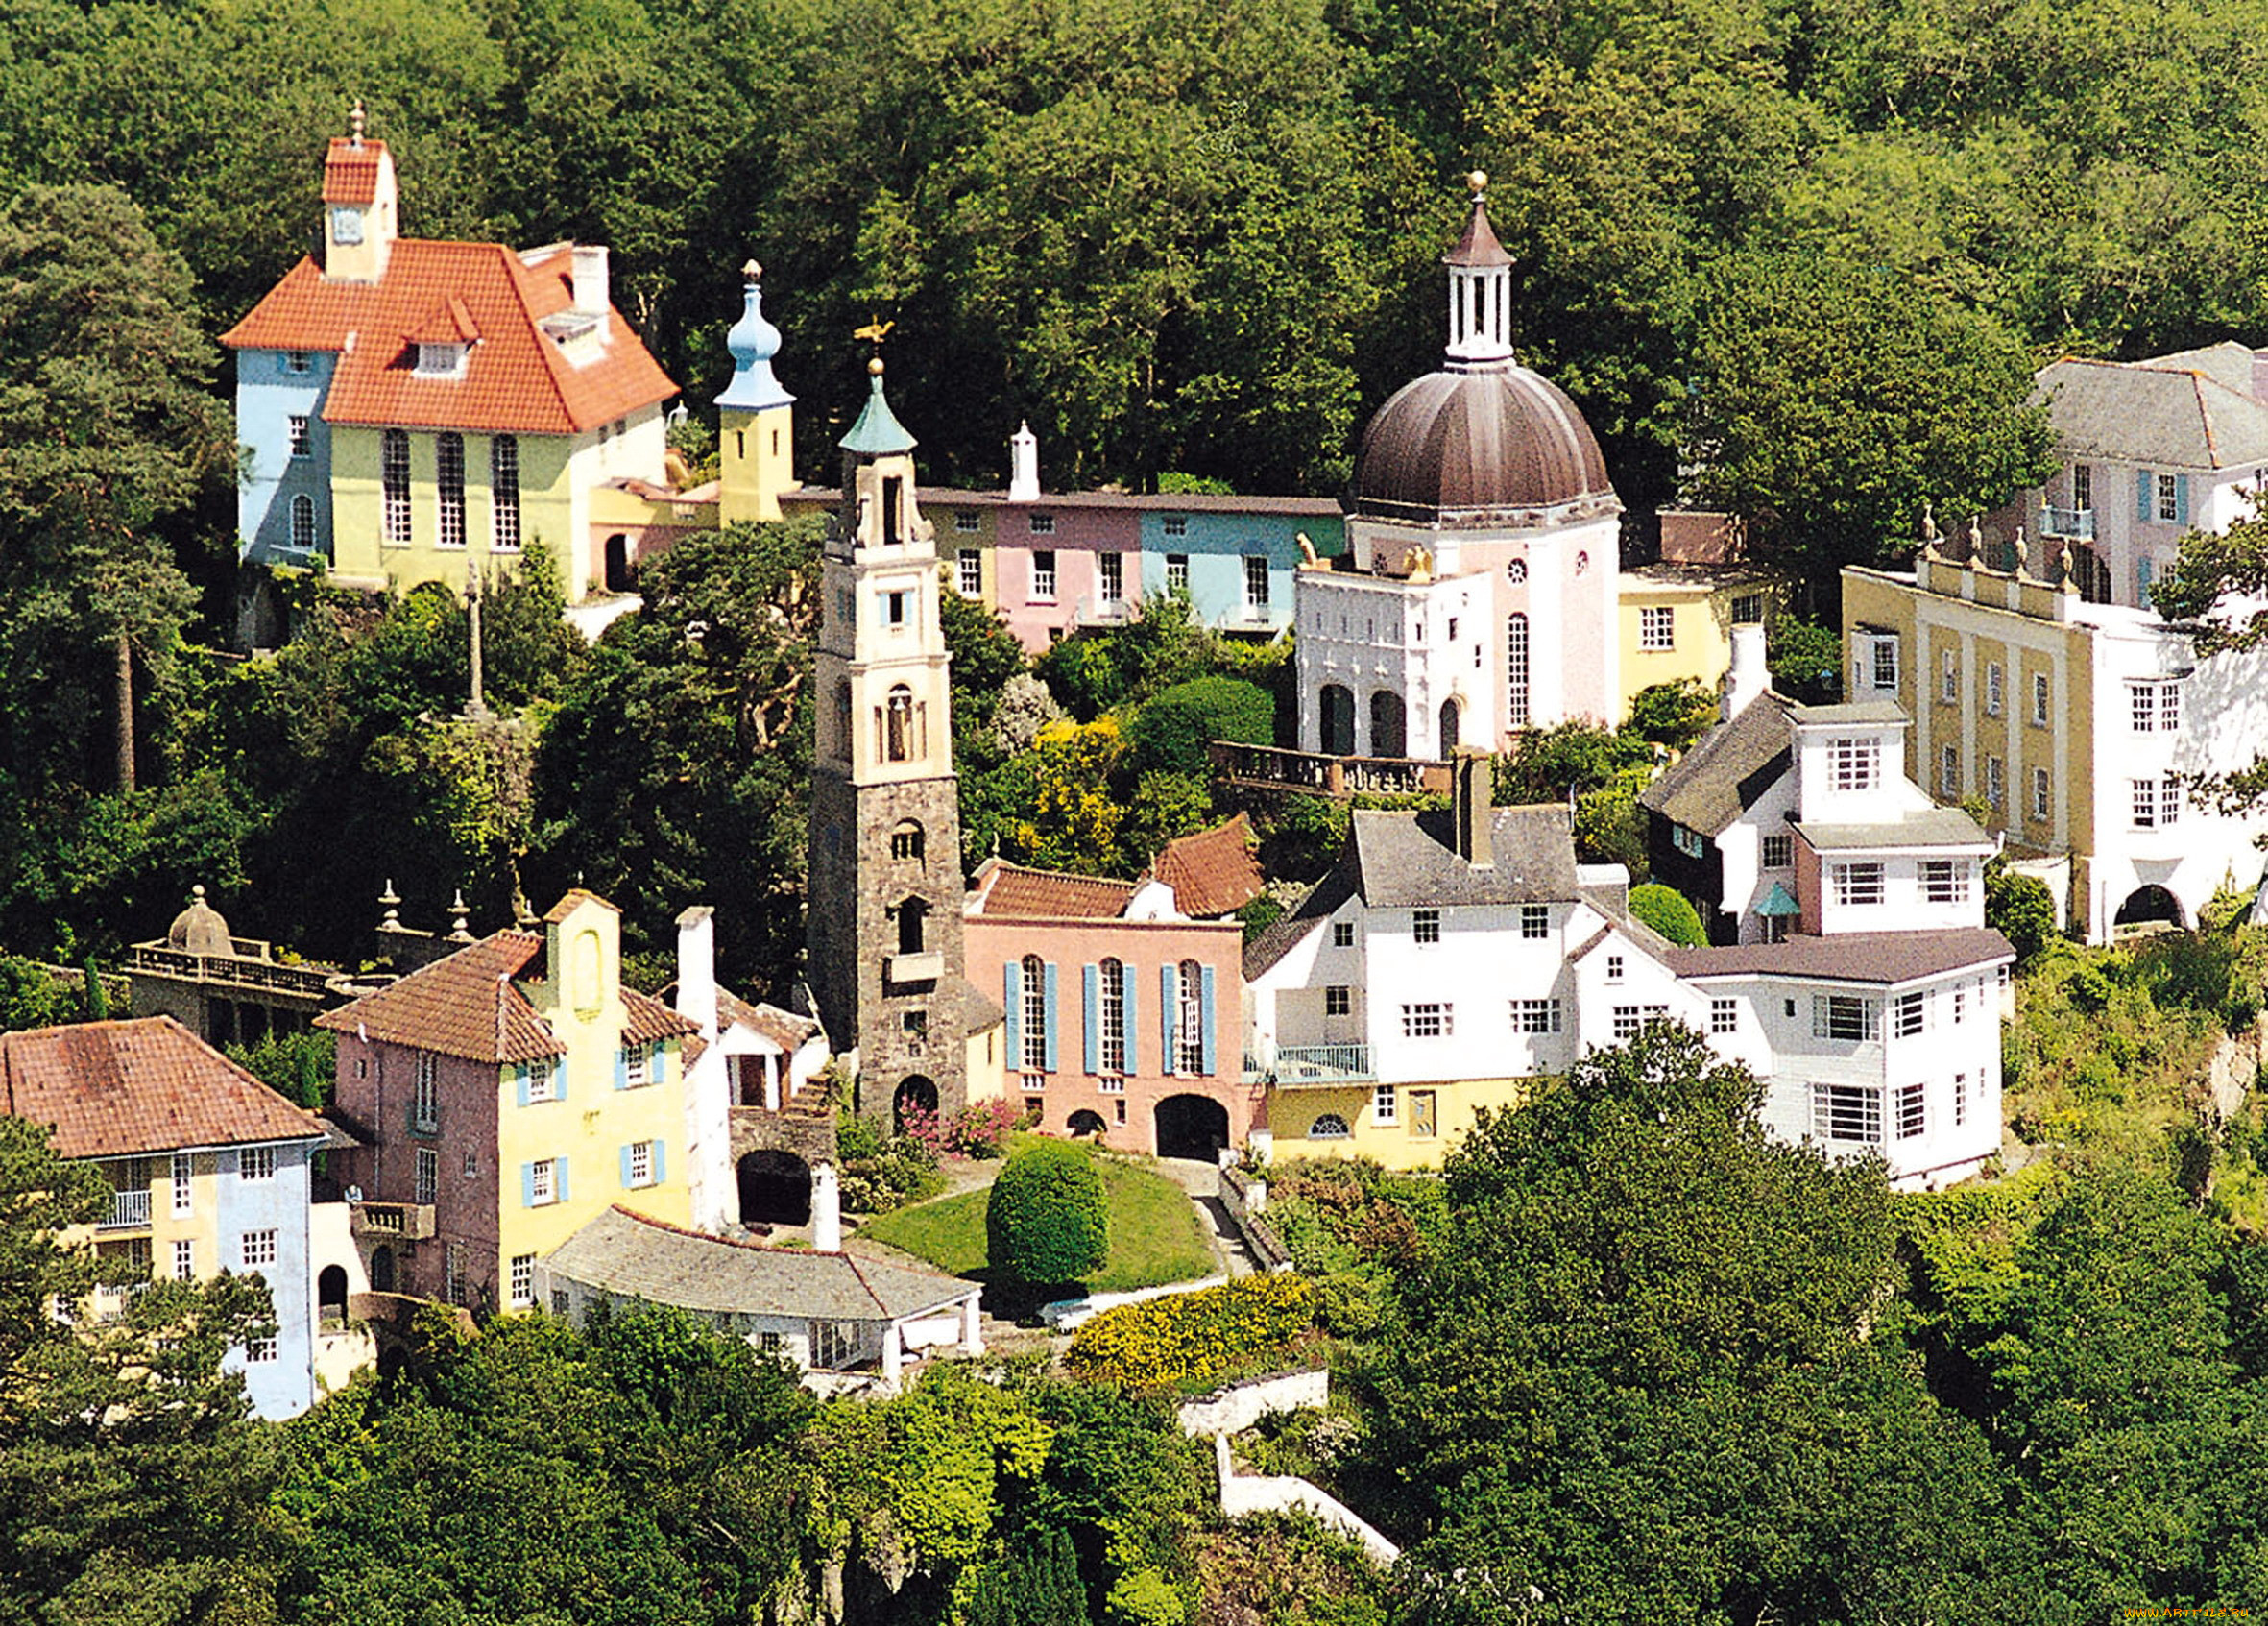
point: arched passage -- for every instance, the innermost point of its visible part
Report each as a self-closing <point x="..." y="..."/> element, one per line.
<point x="381" y="1270"/>
<point x="2150" y="905"/>
<point x="1191" y="1126"/>
<point x="775" y="1189"/>
<point x="1085" y="1122"/>
<point x="1389" y="737"/>
<point x="1339" y="719"/>
<point x="330" y="1296"/>
<point x="620" y="576"/>
<point x="1447" y="744"/>
<point x="915" y="1094"/>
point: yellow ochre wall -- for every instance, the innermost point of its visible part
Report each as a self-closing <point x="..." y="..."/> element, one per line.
<point x="1291" y="1111"/>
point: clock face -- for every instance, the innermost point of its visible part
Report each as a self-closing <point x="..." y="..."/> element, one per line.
<point x="346" y="225"/>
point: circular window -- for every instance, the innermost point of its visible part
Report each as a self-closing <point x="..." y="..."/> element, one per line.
<point x="1582" y="563"/>
<point x="1329" y="1126"/>
<point x="1516" y="570"/>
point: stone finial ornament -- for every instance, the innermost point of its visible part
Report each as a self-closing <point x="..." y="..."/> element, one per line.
<point x="354" y="120"/>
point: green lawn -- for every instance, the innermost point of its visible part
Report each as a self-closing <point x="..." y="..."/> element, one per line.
<point x="1154" y="1234"/>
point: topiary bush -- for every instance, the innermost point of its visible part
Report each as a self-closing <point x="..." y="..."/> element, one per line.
<point x="1048" y="1219"/>
<point x="1669" y="913"/>
<point x="1170" y="731"/>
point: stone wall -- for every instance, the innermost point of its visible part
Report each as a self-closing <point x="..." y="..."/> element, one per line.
<point x="1240" y="1405"/>
<point x="1249" y="1493"/>
<point x="1244" y="1197"/>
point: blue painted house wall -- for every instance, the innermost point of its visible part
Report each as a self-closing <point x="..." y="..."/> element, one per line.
<point x="1217" y="545"/>
<point x="268" y="395"/>
<point x="286" y="1386"/>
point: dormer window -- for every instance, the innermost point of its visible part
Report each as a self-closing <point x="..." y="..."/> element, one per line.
<point x="1854" y="763"/>
<point x="346" y="224"/>
<point x="442" y="360"/>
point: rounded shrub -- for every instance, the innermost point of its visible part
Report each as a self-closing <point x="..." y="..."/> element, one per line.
<point x="1048" y="1219"/>
<point x="1670" y="914"/>
<point x="1169" y="731"/>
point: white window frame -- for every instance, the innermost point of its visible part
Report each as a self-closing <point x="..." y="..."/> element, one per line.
<point x="1996" y="688"/>
<point x="1630" y="1019"/>
<point x="183" y="1173"/>
<point x="1658" y="627"/>
<point x="1535" y="1017"/>
<point x="1913" y="1111"/>
<point x="2043" y="795"/>
<point x="1908" y="1013"/>
<point x="1882" y="662"/>
<point x="1724" y="1016"/>
<point x="184" y="1259"/>
<point x="503" y="478"/>
<point x="521" y="1278"/>
<point x="1425" y="926"/>
<point x="641" y="1164"/>
<point x="542" y="1182"/>
<point x="1945" y="880"/>
<point x="448" y="487"/>
<point x="1846" y="1019"/>
<point x="394" y="487"/>
<point x="965" y="522"/>
<point x="1386" y="1105"/>
<point x="1256" y="586"/>
<point x="425" y="1175"/>
<point x="256" y="1163"/>
<point x="1995" y="784"/>
<point x="1776" y="852"/>
<point x="2168" y="506"/>
<point x="969" y="568"/>
<point x="257" y="1249"/>
<point x="1535" y="921"/>
<point x="1855" y="1106"/>
<point x="302" y="442"/>
<point x="1949" y="679"/>
<point x="1111" y="572"/>
<point x="1855" y="761"/>
<point x="2039" y="700"/>
<point x="1043" y="573"/>
<point x="1858" y="886"/>
<point x="1949" y="769"/>
<point x="1431" y="1019"/>
<point x="1177" y="572"/>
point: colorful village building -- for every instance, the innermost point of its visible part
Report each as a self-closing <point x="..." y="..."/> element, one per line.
<point x="506" y="1094"/>
<point x="209" y="1171"/>
<point x="414" y="410"/>
<point x="1679" y="614"/>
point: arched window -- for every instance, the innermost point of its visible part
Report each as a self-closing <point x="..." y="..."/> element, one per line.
<point x="1329" y="1126"/>
<point x="503" y="480"/>
<point x="897" y="725"/>
<point x="907" y="843"/>
<point x="1515" y="672"/>
<point x="1036" y="1013"/>
<point x="1113" y="976"/>
<point x="1387" y="738"/>
<point x="1188" y="1026"/>
<point x="1447" y="743"/>
<point x="912" y="917"/>
<point x="302" y="522"/>
<point x="1339" y="720"/>
<point x="394" y="486"/>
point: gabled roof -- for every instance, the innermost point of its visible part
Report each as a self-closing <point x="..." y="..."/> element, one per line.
<point x="515" y="380"/>
<point x="1004" y="889"/>
<point x="1728" y="769"/>
<point x="1855" y="957"/>
<point x="122" y="1089"/>
<point x="637" y="1258"/>
<point x="1211" y="872"/>
<point x="1406" y="861"/>
<point x="1274" y="941"/>
<point x="350" y="171"/>
<point x="2191" y="410"/>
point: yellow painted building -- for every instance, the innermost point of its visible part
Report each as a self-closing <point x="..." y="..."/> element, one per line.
<point x="1674" y="621"/>
<point x="1401" y="1127"/>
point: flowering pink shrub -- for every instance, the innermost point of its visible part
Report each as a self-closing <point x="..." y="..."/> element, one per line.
<point x="981" y="1130"/>
<point x="923" y="1128"/>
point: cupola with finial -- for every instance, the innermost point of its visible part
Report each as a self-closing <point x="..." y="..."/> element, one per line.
<point x="1479" y="287"/>
<point x="360" y="206"/>
<point x="755" y="415"/>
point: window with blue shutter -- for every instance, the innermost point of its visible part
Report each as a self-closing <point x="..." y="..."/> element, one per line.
<point x="527" y="1185"/>
<point x="623" y="1154"/>
<point x="2142" y="581"/>
<point x="559" y="1177"/>
<point x="1091" y="1008"/>
<point x="2145" y="495"/>
<point x="661" y="1164"/>
<point x="1133" y="1021"/>
<point x="1205" y="1031"/>
<point x="622" y="1067"/>
<point x="1054" y="1022"/>
<point x="2181" y="500"/>
<point x="1013" y="999"/>
<point x="520" y="1081"/>
<point x="1169" y="1003"/>
<point x="559" y="1078"/>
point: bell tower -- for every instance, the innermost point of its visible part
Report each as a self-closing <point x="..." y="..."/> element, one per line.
<point x="755" y="415"/>
<point x="883" y="927"/>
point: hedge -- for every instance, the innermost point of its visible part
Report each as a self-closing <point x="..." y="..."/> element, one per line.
<point x="1048" y="1219"/>
<point x="1192" y="1336"/>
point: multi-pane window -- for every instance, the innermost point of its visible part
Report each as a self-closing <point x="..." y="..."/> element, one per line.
<point x="1515" y="672"/>
<point x="638" y="1064"/>
<point x="1111" y="1001"/>
<point x="1855" y="761"/>
<point x="1857" y="885"/>
<point x="2039" y="694"/>
<point x="542" y="1184"/>
<point x="302" y="522"/>
<point x="503" y="479"/>
<point x="1255" y="582"/>
<point x="1614" y="964"/>
<point x="1960" y="1098"/>
<point x="1177" y="524"/>
<point x="1885" y="662"/>
<point x="1724" y="1016"/>
<point x="1913" y="1117"/>
<point x="2043" y="795"/>
<point x="1748" y="609"/>
<point x="1177" y="572"/>
<point x="2157" y="803"/>
<point x="1113" y="570"/>
<point x="425" y="1179"/>
<point x="259" y="1249"/>
<point x="184" y="1166"/>
<point x="258" y="1352"/>
<point x="1995" y="689"/>
<point x="1959" y="1005"/>
<point x="448" y="451"/>
<point x="522" y="1277"/>
<point x="1339" y="1000"/>
<point x="1949" y="678"/>
<point x="1779" y="851"/>
<point x="1043" y="524"/>
<point x="1342" y="933"/>
<point x="965" y="521"/>
<point x="2169" y="498"/>
<point x="1535" y="920"/>
<point x="1909" y="1014"/>
<point x="2154" y="707"/>
<point x="1945" y="880"/>
<point x="1846" y="1112"/>
<point x="1630" y="1018"/>
<point x="424" y="1100"/>
<point x="297" y="426"/>
<point x="1386" y="1105"/>
<point x="638" y="1163"/>
<point x="256" y="1163"/>
<point x="394" y="487"/>
<point x="969" y="573"/>
<point x="184" y="1259"/>
<point x="1190" y="1031"/>
<point x="1845" y="1016"/>
<point x="1535" y="1017"/>
<point x="2083" y="486"/>
<point x="1035" y="1012"/>
<point x="1948" y="770"/>
<point x="1425" y="925"/>
<point x="1432" y="1020"/>
<point x="295" y="361"/>
<point x="1656" y="627"/>
<point x="1995" y="784"/>
<point x="1330" y="1126"/>
<point x="1043" y="573"/>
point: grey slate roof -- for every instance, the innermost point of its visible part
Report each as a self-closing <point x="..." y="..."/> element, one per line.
<point x="1855" y="957"/>
<point x="1273" y="942"/>
<point x="1727" y="771"/>
<point x="2191" y="410"/>
<point x="1864" y="714"/>
<point x="635" y="1257"/>
<point x="1936" y="827"/>
<point x="1406" y="860"/>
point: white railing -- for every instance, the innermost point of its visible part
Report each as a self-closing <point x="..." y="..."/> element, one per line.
<point x="128" y="1209"/>
<point x="1292" y="1066"/>
<point x="2068" y="522"/>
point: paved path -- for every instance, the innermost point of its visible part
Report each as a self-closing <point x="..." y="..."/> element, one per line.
<point x="1202" y="1182"/>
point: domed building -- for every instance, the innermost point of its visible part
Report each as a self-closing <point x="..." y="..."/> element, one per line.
<point x="1477" y="597"/>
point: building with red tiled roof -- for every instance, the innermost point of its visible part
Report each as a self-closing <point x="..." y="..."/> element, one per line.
<point x="410" y="408"/>
<point x="1211" y="872"/>
<point x="511" y="1091"/>
<point x="209" y="1170"/>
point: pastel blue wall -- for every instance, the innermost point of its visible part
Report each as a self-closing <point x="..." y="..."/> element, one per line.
<point x="1217" y="545"/>
<point x="286" y="1386"/>
<point x="268" y="394"/>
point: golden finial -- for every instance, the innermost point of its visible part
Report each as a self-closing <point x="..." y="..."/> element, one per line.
<point x="1478" y="181"/>
<point x="875" y="367"/>
<point x="752" y="272"/>
<point x="876" y="331"/>
<point x="354" y="121"/>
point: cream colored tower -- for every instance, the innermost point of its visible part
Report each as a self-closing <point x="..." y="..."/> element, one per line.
<point x="754" y="417"/>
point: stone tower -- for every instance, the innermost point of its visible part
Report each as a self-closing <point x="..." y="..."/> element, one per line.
<point x="884" y="922"/>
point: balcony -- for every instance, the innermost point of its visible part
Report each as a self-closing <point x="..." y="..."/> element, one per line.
<point x="2076" y="522"/>
<point x="1291" y="1067"/>
<point x="392" y="1222"/>
<point x="1107" y="611"/>
<point x="1268" y="767"/>
<point x="130" y="1211"/>
<point x="901" y="969"/>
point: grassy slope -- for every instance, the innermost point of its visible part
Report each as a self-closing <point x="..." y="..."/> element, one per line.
<point x="1154" y="1235"/>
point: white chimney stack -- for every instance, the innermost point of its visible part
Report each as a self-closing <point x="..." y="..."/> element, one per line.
<point x="1746" y="679"/>
<point x="696" y="969"/>
<point x="590" y="280"/>
<point x="826" y="1210"/>
<point x="1023" y="466"/>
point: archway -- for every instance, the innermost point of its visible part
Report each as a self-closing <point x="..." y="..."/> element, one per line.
<point x="1191" y="1126"/>
<point x="1339" y="719"/>
<point x="775" y="1189"/>
<point x="2150" y="906"/>
<point x="915" y="1094"/>
<point x="330" y="1296"/>
<point x="1084" y="1123"/>
<point x="1447" y="746"/>
<point x="912" y="917"/>
<point x="620" y="575"/>
<point x="381" y="1270"/>
<point x="1389" y="737"/>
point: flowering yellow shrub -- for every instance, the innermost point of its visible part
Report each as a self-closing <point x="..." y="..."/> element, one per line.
<point x="1193" y="1336"/>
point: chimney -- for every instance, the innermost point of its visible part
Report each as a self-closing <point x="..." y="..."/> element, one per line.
<point x="696" y="969"/>
<point x="590" y="280"/>
<point x="1023" y="466"/>
<point x="1746" y="679"/>
<point x="826" y="1210"/>
<point x="1476" y="808"/>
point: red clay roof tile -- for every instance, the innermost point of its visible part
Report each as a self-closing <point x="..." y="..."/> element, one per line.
<point x="121" y="1089"/>
<point x="466" y="1005"/>
<point x="350" y="171"/>
<point x="1213" y="871"/>
<point x="1043" y="894"/>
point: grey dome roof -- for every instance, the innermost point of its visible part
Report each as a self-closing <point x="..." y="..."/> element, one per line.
<point x="1481" y="447"/>
<point x="199" y="929"/>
